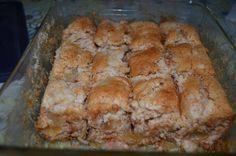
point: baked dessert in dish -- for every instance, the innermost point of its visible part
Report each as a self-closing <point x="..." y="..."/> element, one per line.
<point x="134" y="85"/>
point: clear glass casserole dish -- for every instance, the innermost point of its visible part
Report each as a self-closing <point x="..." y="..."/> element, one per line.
<point x="21" y="95"/>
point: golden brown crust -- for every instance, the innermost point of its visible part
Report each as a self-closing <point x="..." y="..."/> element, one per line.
<point x="144" y="62"/>
<point x="58" y="128"/>
<point x="201" y="62"/>
<point x="111" y="33"/>
<point x="60" y="98"/>
<point x="144" y="35"/>
<point x="203" y="99"/>
<point x="61" y="72"/>
<point x="81" y="32"/>
<point x="181" y="56"/>
<point x="108" y="65"/>
<point x="138" y="27"/>
<point x="155" y="112"/>
<point x="100" y="62"/>
<point x="107" y="105"/>
<point x="141" y="29"/>
<point x="83" y="24"/>
<point x="186" y="58"/>
<point x="145" y="42"/>
<point x="69" y="59"/>
<point x="168" y="26"/>
<point x="206" y="112"/>
<point x="114" y="90"/>
<point x="95" y="110"/>
<point x="217" y="93"/>
<point x="178" y="33"/>
<point x="73" y="56"/>
<point x="157" y="92"/>
<point x="62" y="104"/>
<point x="190" y="98"/>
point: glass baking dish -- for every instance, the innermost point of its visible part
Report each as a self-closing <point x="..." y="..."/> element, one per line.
<point x="21" y="95"/>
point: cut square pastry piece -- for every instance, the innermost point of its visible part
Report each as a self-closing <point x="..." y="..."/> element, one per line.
<point x="146" y="62"/>
<point x="206" y="110"/>
<point x="72" y="64"/>
<point x="62" y="113"/>
<point x="186" y="60"/>
<point x="107" y="108"/>
<point x="108" y="65"/>
<point x="110" y="33"/>
<point x="155" y="114"/>
<point x="178" y="33"/>
<point x="144" y="35"/>
<point x="81" y="32"/>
